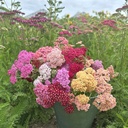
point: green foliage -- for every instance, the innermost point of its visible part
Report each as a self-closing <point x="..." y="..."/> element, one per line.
<point x="18" y="107"/>
<point x="15" y="5"/>
<point x="123" y="116"/>
<point x="54" y="9"/>
<point x="10" y="113"/>
<point x="3" y="8"/>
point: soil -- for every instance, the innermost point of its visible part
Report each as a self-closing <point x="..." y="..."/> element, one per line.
<point x="50" y="124"/>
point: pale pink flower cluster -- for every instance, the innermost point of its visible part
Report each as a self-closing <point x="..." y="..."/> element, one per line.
<point x="105" y="102"/>
<point x="80" y="106"/>
<point x="37" y="81"/>
<point x="103" y="77"/>
<point x="55" y="58"/>
<point x="81" y="102"/>
<point x="22" y="64"/>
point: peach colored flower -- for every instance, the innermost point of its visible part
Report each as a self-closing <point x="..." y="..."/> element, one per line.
<point x="102" y="74"/>
<point x="89" y="62"/>
<point x="111" y="71"/>
<point x="102" y="88"/>
<point x="81" y="102"/>
<point x="105" y="102"/>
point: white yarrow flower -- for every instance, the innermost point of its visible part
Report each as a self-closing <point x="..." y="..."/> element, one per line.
<point x="45" y="71"/>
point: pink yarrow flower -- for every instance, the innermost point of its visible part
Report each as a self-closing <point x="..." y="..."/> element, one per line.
<point x="26" y="70"/>
<point x="97" y="65"/>
<point x="41" y="53"/>
<point x="63" y="78"/>
<point x="22" y="64"/>
<point x="102" y="75"/>
<point x="55" y="58"/>
<point x="25" y="57"/>
<point x="42" y="95"/>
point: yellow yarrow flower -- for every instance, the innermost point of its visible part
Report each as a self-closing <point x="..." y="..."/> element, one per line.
<point x="85" y="81"/>
<point x="80" y="74"/>
<point x="78" y="85"/>
<point x="89" y="71"/>
<point x="86" y="71"/>
<point x="89" y="81"/>
<point x="83" y="99"/>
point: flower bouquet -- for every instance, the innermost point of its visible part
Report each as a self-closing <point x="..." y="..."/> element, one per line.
<point x="64" y="74"/>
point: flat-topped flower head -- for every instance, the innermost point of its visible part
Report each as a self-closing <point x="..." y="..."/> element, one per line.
<point x="55" y="58"/>
<point x="85" y="81"/>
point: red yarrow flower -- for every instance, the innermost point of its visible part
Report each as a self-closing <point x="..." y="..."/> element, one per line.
<point x="74" y="58"/>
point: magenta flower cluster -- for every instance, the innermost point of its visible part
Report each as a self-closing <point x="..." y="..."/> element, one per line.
<point x="110" y="23"/>
<point x="62" y="77"/>
<point x="34" y="21"/>
<point x="97" y="64"/>
<point x="13" y="12"/>
<point x="23" y="65"/>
